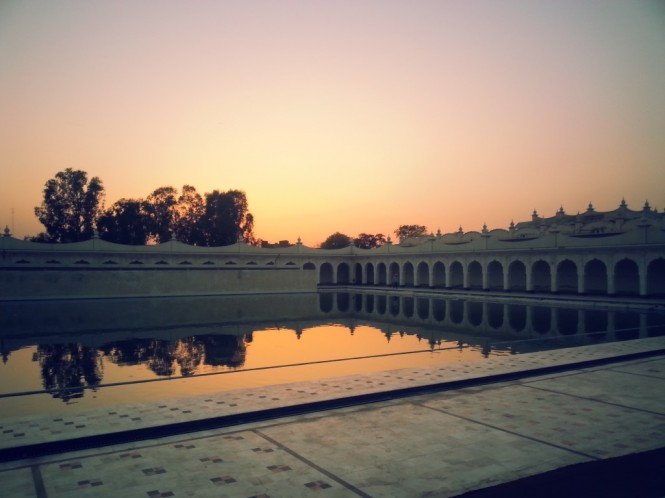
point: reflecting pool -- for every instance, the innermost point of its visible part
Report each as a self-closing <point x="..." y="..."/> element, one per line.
<point x="79" y="354"/>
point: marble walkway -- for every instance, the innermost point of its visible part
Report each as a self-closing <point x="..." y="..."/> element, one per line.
<point x="448" y="430"/>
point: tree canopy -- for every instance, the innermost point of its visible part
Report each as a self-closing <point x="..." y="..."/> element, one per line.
<point x="336" y="241"/>
<point x="408" y="231"/>
<point x="369" y="240"/>
<point x="70" y="207"/>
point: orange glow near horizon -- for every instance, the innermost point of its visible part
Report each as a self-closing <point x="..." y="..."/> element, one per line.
<point x="338" y="116"/>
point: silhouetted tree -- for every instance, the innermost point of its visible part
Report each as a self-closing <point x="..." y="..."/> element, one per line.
<point x="189" y="217"/>
<point x="369" y="241"/>
<point x="70" y="207"/>
<point x="125" y="222"/>
<point x="68" y="369"/>
<point x="226" y="218"/>
<point x="161" y="210"/>
<point x="408" y="231"/>
<point x="336" y="241"/>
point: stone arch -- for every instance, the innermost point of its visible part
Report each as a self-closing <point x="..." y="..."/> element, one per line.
<point x="475" y="275"/>
<point x="381" y="274"/>
<point x="456" y="275"/>
<point x="307" y="266"/>
<point x="369" y="274"/>
<point x="408" y="273"/>
<point x="595" y="277"/>
<point x="358" y="274"/>
<point x="495" y="275"/>
<point x="566" y="276"/>
<point x="517" y="276"/>
<point x="422" y="275"/>
<point x="656" y="277"/>
<point x="393" y="274"/>
<point x="343" y="273"/>
<point x="541" y="276"/>
<point x="326" y="274"/>
<point x="438" y="275"/>
<point x="627" y="278"/>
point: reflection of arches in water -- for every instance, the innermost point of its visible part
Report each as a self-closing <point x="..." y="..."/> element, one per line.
<point x="541" y="276"/>
<point x="307" y="266"/>
<point x="656" y="277"/>
<point x="656" y="325"/>
<point x="439" y="309"/>
<point x="626" y="278"/>
<point x="475" y="313"/>
<point x="326" y="302"/>
<point x="517" y="276"/>
<point x="408" y="274"/>
<point x="595" y="321"/>
<point x="358" y="274"/>
<point x="541" y="319"/>
<point x="475" y="275"/>
<point x="369" y="274"/>
<point x="343" y="273"/>
<point x="382" y="279"/>
<point x="566" y="319"/>
<point x="495" y="276"/>
<point x="369" y="303"/>
<point x="456" y="275"/>
<point x="422" y="275"/>
<point x="495" y="315"/>
<point x="326" y="274"/>
<point x="595" y="277"/>
<point x="517" y="317"/>
<point x="343" y="302"/>
<point x="407" y="306"/>
<point x="358" y="302"/>
<point x="439" y="274"/>
<point x="456" y="311"/>
<point x="394" y="274"/>
<point x="422" y="304"/>
<point x="566" y="276"/>
<point x="394" y="305"/>
<point x="627" y="325"/>
<point x="381" y="305"/>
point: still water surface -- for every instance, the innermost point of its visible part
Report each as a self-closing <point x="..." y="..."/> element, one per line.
<point x="73" y="355"/>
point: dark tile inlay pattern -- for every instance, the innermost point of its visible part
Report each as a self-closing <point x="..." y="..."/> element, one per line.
<point x="154" y="471"/>
<point x="155" y="493"/>
<point x="90" y="482"/>
<point x="317" y="485"/>
<point x="262" y="450"/>
<point x="279" y="468"/>
<point x="223" y="480"/>
<point x="214" y="459"/>
<point x="70" y="466"/>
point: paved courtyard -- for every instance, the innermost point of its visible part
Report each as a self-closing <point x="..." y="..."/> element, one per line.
<point x="439" y="443"/>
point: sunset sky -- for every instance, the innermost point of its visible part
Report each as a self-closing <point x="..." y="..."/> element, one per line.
<point x="352" y="116"/>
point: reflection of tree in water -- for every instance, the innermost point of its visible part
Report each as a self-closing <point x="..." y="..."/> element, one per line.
<point x="68" y="368"/>
<point x="188" y="353"/>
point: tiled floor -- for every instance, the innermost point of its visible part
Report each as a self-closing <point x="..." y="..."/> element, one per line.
<point x="440" y="444"/>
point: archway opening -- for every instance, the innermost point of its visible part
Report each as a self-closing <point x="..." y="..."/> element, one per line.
<point x="382" y="278"/>
<point x="408" y="274"/>
<point x="439" y="275"/>
<point x="439" y="309"/>
<point x="394" y="274"/>
<point x="656" y="277"/>
<point x="626" y="278"/>
<point x="541" y="277"/>
<point x="456" y="275"/>
<point x="326" y="274"/>
<point x="475" y="275"/>
<point x="422" y="304"/>
<point x="566" y="277"/>
<point x="474" y="313"/>
<point x="541" y="319"/>
<point x="358" y="274"/>
<point x="422" y="275"/>
<point x="517" y="276"/>
<point x="369" y="274"/>
<point x="495" y="276"/>
<point x="595" y="277"/>
<point x="343" y="273"/>
<point x="517" y="317"/>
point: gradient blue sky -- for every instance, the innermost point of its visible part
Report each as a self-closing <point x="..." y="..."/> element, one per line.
<point x="352" y="116"/>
